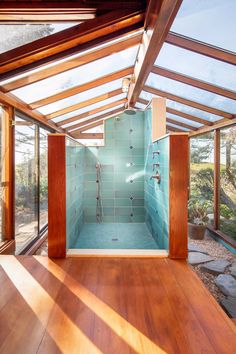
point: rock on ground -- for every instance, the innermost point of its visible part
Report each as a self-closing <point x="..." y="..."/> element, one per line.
<point x="229" y="305"/>
<point x="233" y="270"/>
<point x="227" y="284"/>
<point x="195" y="258"/>
<point x="215" y="267"/>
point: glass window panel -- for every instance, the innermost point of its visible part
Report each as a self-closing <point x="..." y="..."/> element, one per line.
<point x="198" y="66"/>
<point x="83" y="96"/>
<point x="93" y="116"/>
<point x="26" y="191"/>
<point x="202" y="179"/>
<point x="93" y="142"/>
<point x="1" y="189"/>
<point x="210" y="21"/>
<point x="177" y="126"/>
<point x="13" y="36"/>
<point x="43" y="175"/>
<point x="186" y="109"/>
<point x="77" y="76"/>
<point x="89" y="108"/>
<point x="228" y="181"/>
<point x="191" y="93"/>
<point x="183" y="120"/>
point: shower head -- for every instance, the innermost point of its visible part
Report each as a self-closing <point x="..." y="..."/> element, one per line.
<point x="130" y="111"/>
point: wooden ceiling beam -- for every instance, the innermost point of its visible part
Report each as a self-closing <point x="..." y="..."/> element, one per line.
<point x="83" y="104"/>
<point x="193" y="82"/>
<point x="90" y="126"/>
<point x="181" y="114"/>
<point x="66" y="54"/>
<point x="201" y="48"/>
<point x="159" y="18"/>
<point x="68" y="38"/>
<point x="11" y="100"/>
<point x="187" y="102"/>
<point x="78" y="89"/>
<point x="223" y="123"/>
<point x="75" y="5"/>
<point x="102" y="117"/>
<point x="73" y="63"/>
<point x="90" y="113"/>
<point x="89" y="136"/>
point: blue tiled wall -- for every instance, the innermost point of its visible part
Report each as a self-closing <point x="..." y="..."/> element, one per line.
<point x="122" y="172"/>
<point x="156" y="195"/>
<point x="75" y="154"/>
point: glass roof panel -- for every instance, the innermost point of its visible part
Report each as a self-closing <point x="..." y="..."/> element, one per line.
<point x="77" y="76"/>
<point x="209" y="21"/>
<point x="13" y="36"/>
<point x="89" y="108"/>
<point x="192" y="93"/>
<point x="177" y="126"/>
<point x="185" y="109"/>
<point x="93" y="116"/>
<point x="183" y="120"/>
<point x="83" y="96"/>
<point x="197" y="66"/>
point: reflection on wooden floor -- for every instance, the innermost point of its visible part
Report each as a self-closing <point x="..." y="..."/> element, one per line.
<point x="105" y="305"/>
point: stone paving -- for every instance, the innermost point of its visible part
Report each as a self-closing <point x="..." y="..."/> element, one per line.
<point x="218" y="273"/>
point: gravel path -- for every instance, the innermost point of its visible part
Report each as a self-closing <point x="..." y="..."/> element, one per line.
<point x="217" y="251"/>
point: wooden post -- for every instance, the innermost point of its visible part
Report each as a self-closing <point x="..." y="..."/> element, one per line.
<point x="178" y="196"/>
<point x="8" y="185"/>
<point x="216" y="179"/>
<point x="158" y="118"/>
<point x="56" y="195"/>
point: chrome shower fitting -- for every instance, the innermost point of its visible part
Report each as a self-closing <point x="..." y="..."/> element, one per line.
<point x="155" y="165"/>
<point x="157" y="177"/>
<point x="155" y="153"/>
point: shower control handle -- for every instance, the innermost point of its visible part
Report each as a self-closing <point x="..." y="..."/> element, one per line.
<point x="155" y="165"/>
<point x="157" y="177"/>
<point x="155" y="153"/>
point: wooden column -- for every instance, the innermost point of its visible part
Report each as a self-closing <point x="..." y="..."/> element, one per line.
<point x="56" y="196"/>
<point x="8" y="185"/>
<point x="178" y="195"/>
<point x="216" y="178"/>
<point x="158" y="118"/>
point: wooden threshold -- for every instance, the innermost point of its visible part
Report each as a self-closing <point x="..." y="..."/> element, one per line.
<point x="78" y="252"/>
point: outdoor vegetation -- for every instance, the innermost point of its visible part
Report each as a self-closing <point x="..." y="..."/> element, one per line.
<point x="201" y="202"/>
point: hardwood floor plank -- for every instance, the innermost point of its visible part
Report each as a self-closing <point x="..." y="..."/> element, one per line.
<point x="108" y="305"/>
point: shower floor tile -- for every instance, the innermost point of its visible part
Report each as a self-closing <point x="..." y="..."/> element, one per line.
<point x="115" y="236"/>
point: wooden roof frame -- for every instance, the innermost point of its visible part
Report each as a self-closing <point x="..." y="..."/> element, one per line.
<point x="68" y="38"/>
<point x="61" y="67"/>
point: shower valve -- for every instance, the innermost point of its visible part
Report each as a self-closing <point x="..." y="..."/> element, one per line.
<point x="155" y="165"/>
<point x="157" y="177"/>
<point x="155" y="153"/>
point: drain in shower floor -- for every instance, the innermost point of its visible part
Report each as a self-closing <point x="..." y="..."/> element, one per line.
<point x="114" y="239"/>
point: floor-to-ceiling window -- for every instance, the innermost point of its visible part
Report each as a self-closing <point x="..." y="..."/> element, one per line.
<point x="1" y="235"/>
<point x="227" y="222"/>
<point x="43" y="173"/>
<point x="26" y="188"/>
<point x="202" y="175"/>
<point x="203" y="164"/>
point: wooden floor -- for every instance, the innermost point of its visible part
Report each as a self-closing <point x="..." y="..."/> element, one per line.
<point x="106" y="305"/>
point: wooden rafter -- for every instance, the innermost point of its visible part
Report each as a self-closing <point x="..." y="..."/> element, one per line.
<point x="81" y="88"/>
<point x="187" y="102"/>
<point x="159" y="18"/>
<point x="15" y="102"/>
<point x="217" y="125"/>
<point x="73" y="63"/>
<point x="66" y="54"/>
<point x="193" y="82"/>
<point x="180" y="113"/>
<point x="83" y="104"/>
<point x="90" y="126"/>
<point x="90" y="113"/>
<point x="102" y="117"/>
<point x="174" y="129"/>
<point x="201" y="48"/>
<point x="89" y="136"/>
<point x="69" y="38"/>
